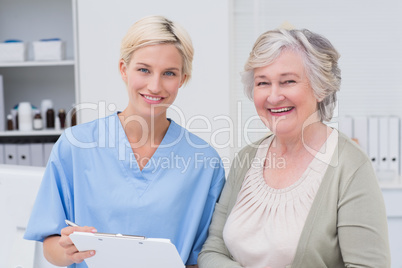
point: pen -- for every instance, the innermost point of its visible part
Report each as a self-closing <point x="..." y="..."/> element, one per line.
<point x="70" y="223"/>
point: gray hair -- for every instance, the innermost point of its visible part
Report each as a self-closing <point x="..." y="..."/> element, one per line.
<point x="320" y="60"/>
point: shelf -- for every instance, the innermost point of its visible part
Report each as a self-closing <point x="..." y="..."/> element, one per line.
<point x="34" y="136"/>
<point x="37" y="63"/>
<point x="17" y="133"/>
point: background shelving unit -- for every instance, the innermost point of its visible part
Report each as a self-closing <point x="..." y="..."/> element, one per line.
<point x="37" y="63"/>
<point x="31" y="80"/>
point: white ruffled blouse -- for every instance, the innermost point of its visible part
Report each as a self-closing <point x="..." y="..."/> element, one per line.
<point x="265" y="224"/>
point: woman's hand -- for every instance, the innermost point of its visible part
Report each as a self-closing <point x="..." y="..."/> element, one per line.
<point x="71" y="251"/>
<point x="61" y="251"/>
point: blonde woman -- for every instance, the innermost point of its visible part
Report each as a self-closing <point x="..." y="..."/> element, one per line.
<point x="136" y="171"/>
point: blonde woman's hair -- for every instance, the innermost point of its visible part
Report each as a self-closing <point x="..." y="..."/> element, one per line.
<point x="154" y="30"/>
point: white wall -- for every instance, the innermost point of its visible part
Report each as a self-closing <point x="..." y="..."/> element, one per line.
<point x="102" y="25"/>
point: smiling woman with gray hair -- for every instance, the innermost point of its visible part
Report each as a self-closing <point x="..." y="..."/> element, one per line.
<point x="309" y="197"/>
<point x="320" y="61"/>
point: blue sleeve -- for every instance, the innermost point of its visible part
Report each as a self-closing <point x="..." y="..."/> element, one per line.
<point x="218" y="181"/>
<point x="52" y="202"/>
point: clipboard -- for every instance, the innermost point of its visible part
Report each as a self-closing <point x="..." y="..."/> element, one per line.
<point x="126" y="251"/>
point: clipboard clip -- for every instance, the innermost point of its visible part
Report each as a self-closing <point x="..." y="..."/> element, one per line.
<point x="137" y="237"/>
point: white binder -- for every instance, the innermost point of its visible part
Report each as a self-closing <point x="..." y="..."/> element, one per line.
<point x="37" y="154"/>
<point x="10" y="154"/>
<point x="394" y="140"/>
<point x="2" y="108"/>
<point x="2" y="154"/>
<point x="373" y="140"/>
<point x="23" y="154"/>
<point x="47" y="149"/>
<point x="360" y="130"/>
<point x="383" y="143"/>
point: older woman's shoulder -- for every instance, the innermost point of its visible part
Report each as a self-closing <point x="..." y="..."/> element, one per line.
<point x="350" y="152"/>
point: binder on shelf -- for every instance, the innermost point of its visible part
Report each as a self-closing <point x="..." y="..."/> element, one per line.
<point x="2" y="108"/>
<point x="47" y="149"/>
<point x="373" y="141"/>
<point x="360" y="127"/>
<point x="2" y="157"/>
<point x="23" y="154"/>
<point x="393" y="148"/>
<point x="10" y="154"/>
<point x="383" y="143"/>
<point x="346" y="126"/>
<point x="37" y="154"/>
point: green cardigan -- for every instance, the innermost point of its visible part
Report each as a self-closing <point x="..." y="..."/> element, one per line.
<point x="346" y="225"/>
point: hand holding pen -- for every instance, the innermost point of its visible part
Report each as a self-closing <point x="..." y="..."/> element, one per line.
<point x="71" y="252"/>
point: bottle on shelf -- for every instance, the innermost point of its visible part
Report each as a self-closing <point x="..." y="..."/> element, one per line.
<point x="73" y="116"/>
<point x="10" y="123"/>
<point x="44" y="106"/>
<point x="37" y="121"/>
<point x="25" y="116"/>
<point x="14" y="114"/>
<point x="62" y="117"/>
<point x="50" y="118"/>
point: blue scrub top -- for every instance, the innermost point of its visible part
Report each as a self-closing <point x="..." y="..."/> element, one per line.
<point x="92" y="178"/>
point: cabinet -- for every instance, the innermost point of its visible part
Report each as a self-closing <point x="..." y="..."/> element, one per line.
<point x="18" y="189"/>
<point x="33" y="81"/>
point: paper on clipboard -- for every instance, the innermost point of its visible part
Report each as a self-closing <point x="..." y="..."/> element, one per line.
<point x="127" y="251"/>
